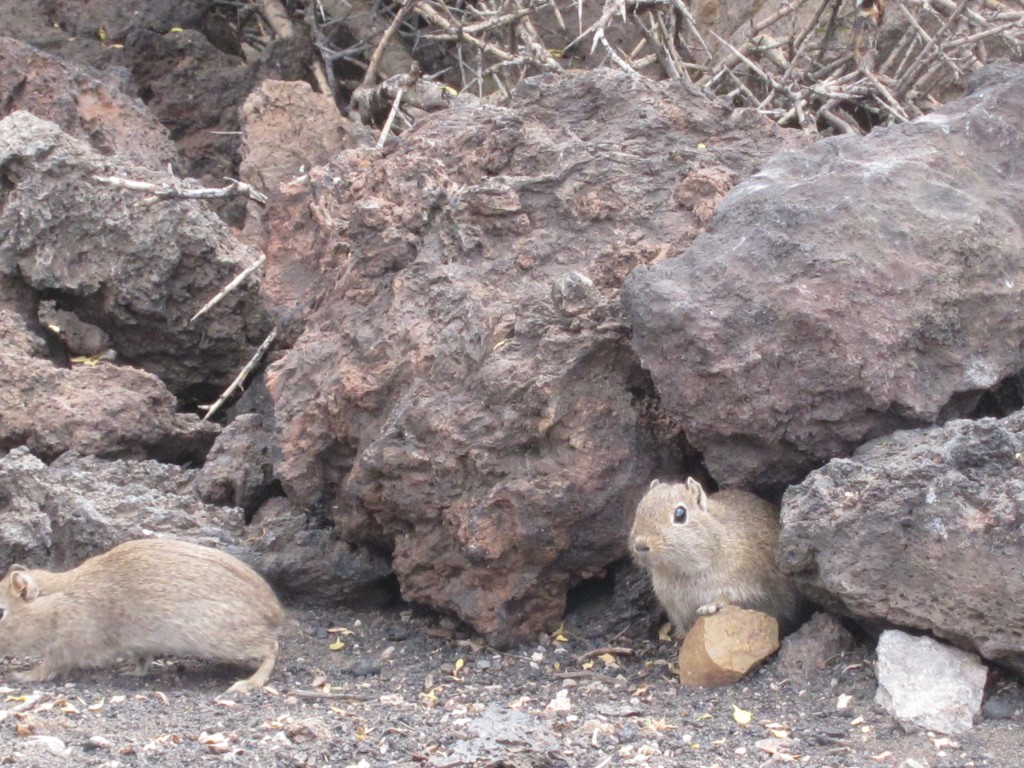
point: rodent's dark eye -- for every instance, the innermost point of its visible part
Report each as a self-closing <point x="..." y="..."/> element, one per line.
<point x="3" y="612"/>
<point x="679" y="515"/>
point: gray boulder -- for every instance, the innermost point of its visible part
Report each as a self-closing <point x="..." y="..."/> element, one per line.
<point x="137" y="271"/>
<point x="848" y="289"/>
<point x="921" y="529"/>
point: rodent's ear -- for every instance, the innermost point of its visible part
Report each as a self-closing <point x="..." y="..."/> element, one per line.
<point x="698" y="491"/>
<point x="655" y="483"/>
<point x="23" y="585"/>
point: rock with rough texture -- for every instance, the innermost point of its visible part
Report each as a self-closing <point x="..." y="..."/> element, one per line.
<point x="89" y="109"/>
<point x="239" y="469"/>
<point x="275" y="108"/>
<point x="58" y="515"/>
<point x="463" y="392"/>
<point x="817" y="644"/>
<point x="316" y="130"/>
<point x="848" y="289"/>
<point x="306" y="560"/>
<point x="929" y="686"/>
<point x="921" y="529"/>
<point x="203" y="119"/>
<point x="721" y="648"/>
<point x="137" y="272"/>
<point x="100" y="409"/>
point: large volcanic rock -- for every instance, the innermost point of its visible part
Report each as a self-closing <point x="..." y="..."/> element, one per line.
<point x="848" y="289"/>
<point x="923" y="529"/>
<point x="135" y="270"/>
<point x="461" y="389"/>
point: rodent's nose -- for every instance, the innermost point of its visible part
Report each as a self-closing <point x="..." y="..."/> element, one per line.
<point x="641" y="545"/>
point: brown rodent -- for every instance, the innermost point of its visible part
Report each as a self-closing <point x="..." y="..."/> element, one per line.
<point x="142" y="598"/>
<point x="705" y="552"/>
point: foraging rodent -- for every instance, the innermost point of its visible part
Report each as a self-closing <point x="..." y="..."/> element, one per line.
<point x="705" y="552"/>
<point x="144" y="597"/>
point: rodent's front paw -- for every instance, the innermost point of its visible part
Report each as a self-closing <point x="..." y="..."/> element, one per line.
<point x="710" y="608"/>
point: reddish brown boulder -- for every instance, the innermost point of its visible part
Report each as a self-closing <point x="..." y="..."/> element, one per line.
<point x="101" y="410"/>
<point x="461" y="388"/>
<point x="108" y="119"/>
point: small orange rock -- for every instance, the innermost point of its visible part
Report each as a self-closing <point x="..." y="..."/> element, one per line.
<point x="720" y="649"/>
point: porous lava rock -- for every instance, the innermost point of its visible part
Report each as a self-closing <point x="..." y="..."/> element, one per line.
<point x="60" y="514"/>
<point x="111" y="121"/>
<point x="100" y="409"/>
<point x="850" y="288"/>
<point x="137" y="271"/>
<point x="922" y="529"/>
<point x="460" y="387"/>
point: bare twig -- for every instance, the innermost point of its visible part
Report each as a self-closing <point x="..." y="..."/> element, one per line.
<point x="180" y="192"/>
<point x="325" y="695"/>
<point x="386" y="130"/>
<point x="611" y="650"/>
<point x="241" y="377"/>
<point x="370" y="78"/>
<point x="235" y="282"/>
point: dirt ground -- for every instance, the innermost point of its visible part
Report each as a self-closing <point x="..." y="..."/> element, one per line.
<point x="402" y="687"/>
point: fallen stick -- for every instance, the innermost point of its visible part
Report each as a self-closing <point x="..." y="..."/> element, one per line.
<point x="370" y="78"/>
<point x="177" y="192"/>
<point x="325" y="695"/>
<point x="244" y="373"/>
<point x="229" y="287"/>
<point x="386" y="130"/>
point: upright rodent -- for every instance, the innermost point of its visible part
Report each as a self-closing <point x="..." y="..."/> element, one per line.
<point x="705" y="552"/>
<point x="142" y="598"/>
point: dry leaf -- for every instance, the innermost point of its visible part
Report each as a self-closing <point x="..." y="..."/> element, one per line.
<point x="741" y="716"/>
<point x="218" y="743"/>
<point x="337" y="645"/>
<point x="844" y="701"/>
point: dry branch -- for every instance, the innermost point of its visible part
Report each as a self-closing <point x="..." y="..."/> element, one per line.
<point x="183" y="190"/>
<point x="235" y="282"/>
<point x="834" y="66"/>
<point x="241" y="377"/>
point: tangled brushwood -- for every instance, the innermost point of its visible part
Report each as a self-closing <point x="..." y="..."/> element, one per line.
<point x="824" y="66"/>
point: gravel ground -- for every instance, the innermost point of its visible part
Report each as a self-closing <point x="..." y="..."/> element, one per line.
<point x="402" y="687"/>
